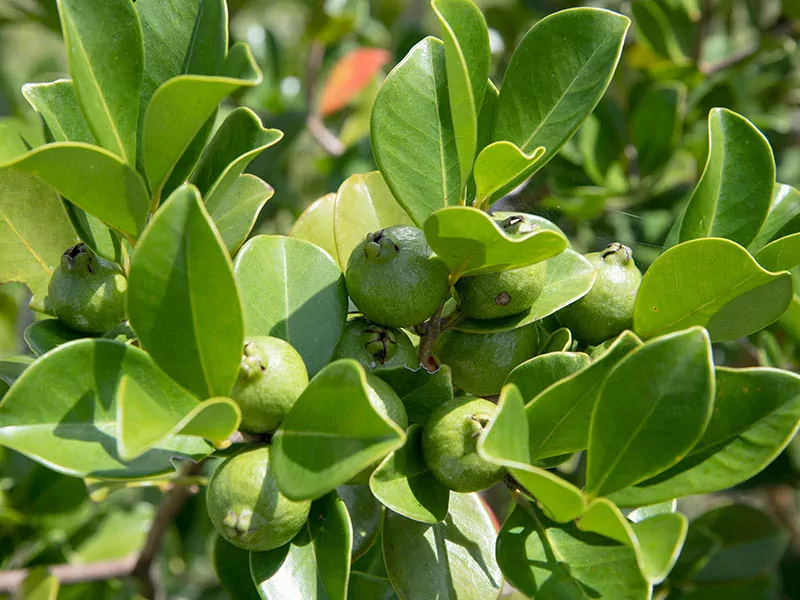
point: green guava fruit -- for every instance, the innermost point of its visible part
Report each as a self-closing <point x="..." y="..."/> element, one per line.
<point x="375" y="346"/>
<point x="449" y="439"/>
<point x="607" y="310"/>
<point x="394" y="278"/>
<point x="496" y="295"/>
<point x="245" y="506"/>
<point x="480" y="362"/>
<point x="87" y="292"/>
<point x="271" y="378"/>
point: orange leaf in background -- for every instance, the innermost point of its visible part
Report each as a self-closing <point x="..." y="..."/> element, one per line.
<point x="349" y="76"/>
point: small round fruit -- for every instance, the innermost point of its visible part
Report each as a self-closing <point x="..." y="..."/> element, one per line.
<point x="271" y="378"/>
<point x="394" y="278"/>
<point x="496" y="295"/>
<point x="87" y="292"/>
<point x="245" y="506"/>
<point x="375" y="346"/>
<point x="449" y="439"/>
<point x="480" y="362"/>
<point x="607" y="310"/>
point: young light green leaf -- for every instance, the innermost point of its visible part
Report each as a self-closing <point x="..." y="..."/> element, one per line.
<point x="232" y="567"/>
<point x="784" y="207"/>
<point x="416" y="151"/>
<point x="733" y="196"/>
<point x="559" y="341"/>
<point x="235" y="211"/>
<point x="781" y="255"/>
<point x="656" y="124"/>
<point x="499" y="164"/>
<point x="194" y="332"/>
<point x="421" y="391"/>
<point x="332" y="534"/>
<point x="38" y="584"/>
<point x="62" y="411"/>
<point x="652" y="409"/>
<point x="46" y="334"/>
<point x="293" y="290"/>
<point x="106" y="61"/>
<point x="540" y="372"/>
<point x="556" y="77"/>
<point x="456" y="556"/>
<point x="737" y="297"/>
<point x="403" y="483"/>
<point x="331" y="433"/>
<point x="315" y="225"/>
<point x="288" y="572"/>
<point x="57" y="103"/>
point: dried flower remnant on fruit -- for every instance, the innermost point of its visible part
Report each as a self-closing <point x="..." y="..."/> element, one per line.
<point x="380" y="247"/>
<point x="518" y="224"/>
<point x="375" y="346"/>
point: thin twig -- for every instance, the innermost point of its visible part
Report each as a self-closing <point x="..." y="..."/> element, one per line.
<point x="324" y="136"/>
<point x="73" y="573"/>
<point x="432" y="331"/>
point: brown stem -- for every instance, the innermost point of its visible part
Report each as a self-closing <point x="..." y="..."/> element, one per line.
<point x="79" y="573"/>
<point x="432" y="330"/>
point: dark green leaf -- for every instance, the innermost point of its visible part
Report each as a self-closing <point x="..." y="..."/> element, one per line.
<point x="288" y="572"/>
<point x="332" y="533"/>
<point x="365" y="515"/>
<point x="656" y="125"/>
<point x="12" y="367"/>
<point x="42" y="336"/>
<point x="420" y="390"/>
<point x="537" y="374"/>
<point x="232" y="566"/>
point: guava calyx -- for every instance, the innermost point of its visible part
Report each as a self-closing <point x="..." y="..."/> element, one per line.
<point x="380" y="247"/>
<point x="617" y="254"/>
<point x="379" y="343"/>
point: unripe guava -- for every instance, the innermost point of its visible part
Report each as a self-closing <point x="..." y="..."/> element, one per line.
<point x="607" y="310"/>
<point x="375" y="346"/>
<point x="496" y="295"/>
<point x="87" y="292"/>
<point x="449" y="440"/>
<point x="271" y="378"/>
<point x="245" y="506"/>
<point x="480" y="362"/>
<point x="394" y="278"/>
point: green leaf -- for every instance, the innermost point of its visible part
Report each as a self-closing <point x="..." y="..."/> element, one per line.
<point x="93" y="179"/>
<point x="292" y="290"/>
<point x="57" y="103"/>
<point x="365" y="515"/>
<point x="412" y="134"/>
<point x="556" y="77"/>
<point x="181" y="106"/>
<point x="331" y="433"/>
<point x="456" y="556"/>
<point x="232" y="567"/>
<point x="403" y="483"/>
<point x="106" y="60"/>
<point x="240" y="138"/>
<point x="559" y="341"/>
<point x="363" y="205"/>
<point x="656" y="125"/>
<point x="549" y="561"/>
<point x="733" y="196"/>
<point x="421" y="391"/>
<point x="315" y="225"/>
<point x="505" y="443"/>
<point x="42" y="336"/>
<point x="192" y="330"/>
<point x="332" y="534"/>
<point x="782" y="254"/>
<point x="34" y="231"/>
<point x="784" y="207"/>
<point x="540" y="372"/>
<point x="486" y="116"/>
<point x="737" y="297"/>
<point x="368" y="578"/>
<point x="236" y="211"/>
<point x="470" y="242"/>
<point x="756" y="412"/>
<point x="467" y="60"/>
<point x="765" y="587"/>
<point x="96" y="234"/>
<point x="12" y="367"/>
<point x="62" y="411"/>
<point x="654" y="29"/>
<point x="499" y="164"/>
<point x="287" y="572"/>
<point x="559" y="417"/>
<point x="38" y="584"/>
<point x="652" y="409"/>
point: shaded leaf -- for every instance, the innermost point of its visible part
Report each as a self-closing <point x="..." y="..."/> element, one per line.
<point x="232" y="567"/>
<point x="421" y="391"/>
<point x="287" y="572"/>
<point x="332" y="534"/>
<point x="46" y="334"/>
<point x="365" y="515"/>
<point x="656" y="125"/>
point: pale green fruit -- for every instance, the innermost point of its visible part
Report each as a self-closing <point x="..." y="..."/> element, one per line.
<point x="375" y="346"/>
<point x="497" y="295"/>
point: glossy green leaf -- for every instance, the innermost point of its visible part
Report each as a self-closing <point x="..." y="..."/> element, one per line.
<point x="332" y="534"/>
<point x="556" y="77"/>
<point x="93" y="179"/>
<point x="540" y="372"/>
<point x="412" y="134"/>
<point x="652" y="409"/>
<point x="368" y="578"/>
<point x="559" y="418"/>
<point x="733" y="196"/>
<point x="181" y="106"/>
<point x="421" y="391"/>
<point x="232" y="567"/>
<point x="456" y="556"/>
<point x="12" y="367"/>
<point x="62" y="411"/>
<point x="756" y="414"/>
<point x="57" y="103"/>
<point x="559" y="341"/>
<point x="96" y="234"/>
<point x="46" y="334"/>
<point x="288" y="572"/>
<point x="548" y="561"/>
<point x="364" y="204"/>
<point x="293" y="290"/>
<point x="656" y="125"/>
<point x="467" y="60"/>
<point x="499" y="164"/>
<point x="194" y="332"/>
<point x="236" y="211"/>
<point x="315" y="225"/>
<point x="784" y="207"/>
<point x="782" y="254"/>
<point x="240" y="138"/>
<point x="737" y="297"/>
<point x="331" y="433"/>
<point x="403" y="483"/>
<point x="106" y="60"/>
<point x="470" y="242"/>
<point x="365" y="515"/>
<point x="34" y="231"/>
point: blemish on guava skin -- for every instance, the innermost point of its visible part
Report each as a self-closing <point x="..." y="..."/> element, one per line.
<point x="502" y="299"/>
<point x="655" y="309"/>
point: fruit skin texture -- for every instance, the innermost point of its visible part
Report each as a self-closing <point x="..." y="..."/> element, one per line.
<point x="87" y="292"/>
<point x="394" y="278"/>
<point x="496" y="295"/>
<point x="449" y="439"/>
<point x="607" y="310"/>
<point x="480" y="362"/>
<point x="271" y="378"/>
<point x="375" y="346"/>
<point x="245" y="506"/>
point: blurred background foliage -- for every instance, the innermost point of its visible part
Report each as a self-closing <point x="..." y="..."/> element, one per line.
<point x="623" y="177"/>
